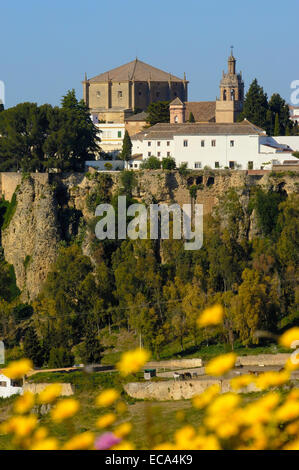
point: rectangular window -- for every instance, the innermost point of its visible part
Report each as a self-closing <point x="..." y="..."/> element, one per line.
<point x="168" y="143"/>
<point x="159" y="154"/>
<point x="168" y="154"/>
<point x="197" y="165"/>
<point x="232" y="165"/>
<point x="120" y="94"/>
<point x="158" y="143"/>
<point x="149" y="154"/>
<point x="185" y="143"/>
<point x="232" y="143"/>
<point x="149" y="144"/>
<point x="3" y="384"/>
<point x="202" y="143"/>
<point x="217" y="165"/>
<point x="250" y="165"/>
<point x="213" y="143"/>
<point x="118" y="133"/>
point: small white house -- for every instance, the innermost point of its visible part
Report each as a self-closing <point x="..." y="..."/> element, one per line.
<point x="9" y="387"/>
<point x="111" y="135"/>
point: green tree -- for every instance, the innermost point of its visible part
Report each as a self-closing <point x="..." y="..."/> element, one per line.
<point x="126" y="153"/>
<point x="158" y="112"/>
<point x="276" y="125"/>
<point x="91" y="352"/>
<point x="255" y="106"/>
<point x="32" y="347"/>
<point x="60" y="357"/>
<point x="168" y="163"/>
<point x="151" y="163"/>
<point x="191" y="117"/>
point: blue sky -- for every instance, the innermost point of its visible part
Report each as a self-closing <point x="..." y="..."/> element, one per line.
<point x="46" y="46"/>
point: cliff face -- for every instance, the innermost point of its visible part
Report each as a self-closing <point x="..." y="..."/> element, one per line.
<point x="51" y="208"/>
<point x="30" y="241"/>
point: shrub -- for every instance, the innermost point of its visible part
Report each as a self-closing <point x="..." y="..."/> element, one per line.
<point x="168" y="163"/>
<point x="152" y="163"/>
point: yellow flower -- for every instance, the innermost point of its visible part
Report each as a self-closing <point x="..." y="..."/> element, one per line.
<point x="123" y="429"/>
<point x="124" y="445"/>
<point x="107" y="397"/>
<point x="106" y="420"/>
<point x="17" y="369"/>
<point x="82" y="441"/>
<point x="288" y="411"/>
<point x="65" y="409"/>
<point x="47" y="444"/>
<point x="289" y="337"/>
<point x="221" y="364"/>
<point x="260" y="411"/>
<point x="132" y="361"/>
<point x="293" y="428"/>
<point x="184" y="437"/>
<point x="206" y="443"/>
<point x="224" y="404"/>
<point x="272" y="379"/>
<point x="202" y="400"/>
<point x="21" y="426"/>
<point x="292" y="445"/>
<point x="292" y="365"/>
<point x="241" y="381"/>
<point x="211" y="316"/>
<point x="24" y="403"/>
<point x="50" y="393"/>
<point x="40" y="434"/>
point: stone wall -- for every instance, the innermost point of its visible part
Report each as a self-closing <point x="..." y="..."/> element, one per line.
<point x="175" y="364"/>
<point x="66" y="388"/>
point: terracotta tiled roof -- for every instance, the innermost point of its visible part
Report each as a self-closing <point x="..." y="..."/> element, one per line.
<point x="137" y="117"/>
<point x="137" y="70"/>
<point x="203" y="111"/>
<point x="168" y="131"/>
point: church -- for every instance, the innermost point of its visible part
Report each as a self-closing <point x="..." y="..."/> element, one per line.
<point x="114" y="96"/>
<point x="225" y="109"/>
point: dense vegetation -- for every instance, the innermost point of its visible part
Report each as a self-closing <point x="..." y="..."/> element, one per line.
<point x="39" y="138"/>
<point x="272" y="115"/>
<point x="157" y="289"/>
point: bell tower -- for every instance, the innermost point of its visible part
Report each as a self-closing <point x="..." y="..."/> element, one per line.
<point x="230" y="103"/>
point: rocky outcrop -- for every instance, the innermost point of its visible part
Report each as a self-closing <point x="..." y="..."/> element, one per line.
<point x="53" y="207"/>
<point x="30" y="241"/>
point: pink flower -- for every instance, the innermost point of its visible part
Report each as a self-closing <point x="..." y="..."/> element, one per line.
<point x="106" y="441"/>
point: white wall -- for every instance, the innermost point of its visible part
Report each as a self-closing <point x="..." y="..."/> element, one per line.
<point x="8" y="390"/>
<point x="246" y="148"/>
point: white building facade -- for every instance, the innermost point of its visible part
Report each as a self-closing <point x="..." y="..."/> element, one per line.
<point x="9" y="387"/>
<point x="214" y="145"/>
<point x="111" y="135"/>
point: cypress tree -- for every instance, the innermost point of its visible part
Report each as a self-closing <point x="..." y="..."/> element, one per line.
<point x="276" y="125"/>
<point x="191" y="117"/>
<point x="126" y="152"/>
<point x="255" y="106"/>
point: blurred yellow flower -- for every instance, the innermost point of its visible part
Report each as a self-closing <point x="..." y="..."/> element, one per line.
<point x="47" y="444"/>
<point x="289" y="337"/>
<point x="21" y="426"/>
<point x="40" y="434"/>
<point x="211" y="316"/>
<point x="241" y="381"/>
<point x="123" y="445"/>
<point x="107" y="397"/>
<point x="294" y="445"/>
<point x="106" y="420"/>
<point x="123" y="429"/>
<point x="202" y="400"/>
<point x="17" y="369"/>
<point x="271" y="379"/>
<point x="82" y="441"/>
<point x="50" y="393"/>
<point x="65" y="409"/>
<point x="24" y="403"/>
<point x="221" y="364"/>
<point x="223" y="404"/>
<point x="132" y="361"/>
<point x="292" y="365"/>
<point x="288" y="411"/>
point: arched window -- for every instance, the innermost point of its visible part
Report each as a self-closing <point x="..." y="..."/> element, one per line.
<point x="232" y="94"/>
<point x="176" y="119"/>
<point x="224" y="95"/>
